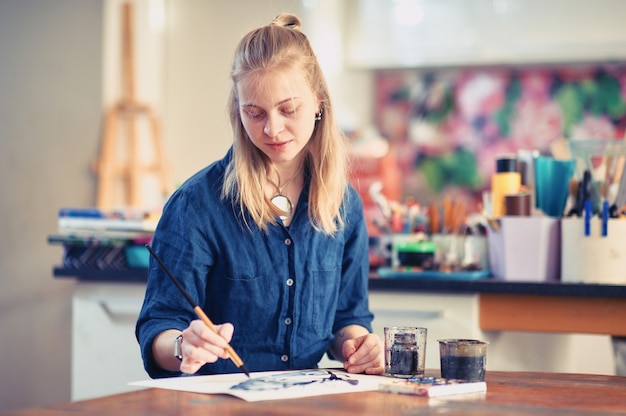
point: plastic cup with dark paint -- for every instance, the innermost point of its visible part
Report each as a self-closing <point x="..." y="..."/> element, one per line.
<point x="405" y="351"/>
<point x="463" y="359"/>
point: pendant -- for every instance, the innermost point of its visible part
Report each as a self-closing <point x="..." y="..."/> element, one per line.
<point x="283" y="203"/>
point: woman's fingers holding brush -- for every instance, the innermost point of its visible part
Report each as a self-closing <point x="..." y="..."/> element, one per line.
<point x="201" y="345"/>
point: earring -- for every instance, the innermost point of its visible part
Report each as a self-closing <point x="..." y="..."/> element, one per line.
<point x="318" y="116"/>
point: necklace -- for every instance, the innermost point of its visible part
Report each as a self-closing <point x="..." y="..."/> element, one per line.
<point x="282" y="202"/>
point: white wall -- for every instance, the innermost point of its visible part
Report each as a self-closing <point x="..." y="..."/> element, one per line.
<point x="50" y="103"/>
<point x="201" y="39"/>
<point x="183" y="68"/>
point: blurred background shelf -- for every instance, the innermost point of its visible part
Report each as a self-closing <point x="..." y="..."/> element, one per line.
<point x="103" y="275"/>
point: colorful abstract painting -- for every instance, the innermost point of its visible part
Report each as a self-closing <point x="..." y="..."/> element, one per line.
<point x="446" y="127"/>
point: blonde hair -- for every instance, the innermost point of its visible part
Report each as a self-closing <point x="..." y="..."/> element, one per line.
<point x="282" y="46"/>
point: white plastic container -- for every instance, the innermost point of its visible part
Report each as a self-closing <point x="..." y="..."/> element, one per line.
<point x="526" y="249"/>
<point x="594" y="258"/>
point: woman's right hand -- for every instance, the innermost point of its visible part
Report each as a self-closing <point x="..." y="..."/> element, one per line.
<point x="201" y="345"/>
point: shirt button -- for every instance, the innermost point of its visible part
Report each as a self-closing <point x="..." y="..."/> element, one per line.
<point x="287" y="321"/>
<point x="284" y="358"/>
<point x="288" y="242"/>
<point x="289" y="282"/>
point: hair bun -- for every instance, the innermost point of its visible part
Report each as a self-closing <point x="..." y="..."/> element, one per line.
<point x="288" y="20"/>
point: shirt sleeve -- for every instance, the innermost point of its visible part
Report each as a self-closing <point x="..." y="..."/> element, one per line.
<point x="353" y="304"/>
<point x="178" y="242"/>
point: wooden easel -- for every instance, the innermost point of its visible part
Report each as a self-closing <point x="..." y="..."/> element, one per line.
<point x="125" y="115"/>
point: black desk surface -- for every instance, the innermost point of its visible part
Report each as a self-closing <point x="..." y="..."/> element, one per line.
<point x="489" y="285"/>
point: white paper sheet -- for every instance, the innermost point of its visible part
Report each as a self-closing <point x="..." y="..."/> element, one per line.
<point x="271" y="385"/>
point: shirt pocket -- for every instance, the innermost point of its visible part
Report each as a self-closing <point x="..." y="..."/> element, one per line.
<point x="324" y="265"/>
<point x="246" y="301"/>
<point x="324" y="286"/>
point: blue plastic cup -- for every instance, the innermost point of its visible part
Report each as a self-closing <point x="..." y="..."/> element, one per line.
<point x="552" y="177"/>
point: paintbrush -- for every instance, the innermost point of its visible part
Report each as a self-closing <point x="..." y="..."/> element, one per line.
<point x="198" y="310"/>
<point x="494" y="224"/>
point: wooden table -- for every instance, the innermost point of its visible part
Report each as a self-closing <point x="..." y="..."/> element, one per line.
<point x="508" y="393"/>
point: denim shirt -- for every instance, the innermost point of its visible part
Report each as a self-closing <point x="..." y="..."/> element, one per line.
<point x="287" y="291"/>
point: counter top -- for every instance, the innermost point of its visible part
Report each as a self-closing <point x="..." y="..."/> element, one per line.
<point x="489" y="285"/>
<point x="103" y="275"/>
<point x="492" y="285"/>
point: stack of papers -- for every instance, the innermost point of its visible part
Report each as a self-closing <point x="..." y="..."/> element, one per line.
<point x="104" y="240"/>
<point x="114" y="223"/>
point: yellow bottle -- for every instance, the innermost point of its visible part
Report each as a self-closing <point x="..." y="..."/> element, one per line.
<point x="507" y="180"/>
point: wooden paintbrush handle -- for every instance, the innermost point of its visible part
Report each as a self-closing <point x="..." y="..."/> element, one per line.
<point x="231" y="352"/>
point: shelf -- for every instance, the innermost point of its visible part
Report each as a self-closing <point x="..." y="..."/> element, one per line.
<point x="103" y="275"/>
<point x="496" y="286"/>
<point x="489" y="285"/>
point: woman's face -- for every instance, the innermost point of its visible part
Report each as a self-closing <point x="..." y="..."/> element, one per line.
<point x="278" y="113"/>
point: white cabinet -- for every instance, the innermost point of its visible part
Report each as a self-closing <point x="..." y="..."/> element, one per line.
<point x="414" y="33"/>
<point x="457" y="316"/>
<point x="552" y="352"/>
<point x="444" y="315"/>
<point x="106" y="356"/>
<point x="105" y="353"/>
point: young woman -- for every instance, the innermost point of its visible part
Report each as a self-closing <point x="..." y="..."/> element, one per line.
<point x="271" y="240"/>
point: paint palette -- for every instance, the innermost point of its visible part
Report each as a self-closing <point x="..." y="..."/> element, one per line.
<point x="432" y="386"/>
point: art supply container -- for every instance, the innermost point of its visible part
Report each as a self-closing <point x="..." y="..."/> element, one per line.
<point x="526" y="168"/>
<point x="605" y="161"/>
<point x="463" y="359"/>
<point x="415" y="254"/>
<point x="518" y="204"/>
<point x="552" y="177"/>
<point x="405" y="351"/>
<point x="526" y="249"/>
<point x="461" y="252"/>
<point x="593" y="258"/>
<point x="411" y="250"/>
<point x="507" y="180"/>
